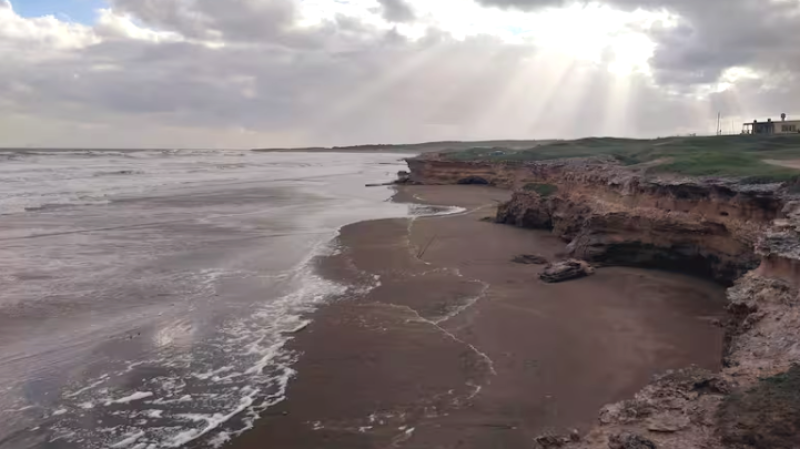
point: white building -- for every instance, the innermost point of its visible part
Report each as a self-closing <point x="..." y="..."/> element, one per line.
<point x="769" y="127"/>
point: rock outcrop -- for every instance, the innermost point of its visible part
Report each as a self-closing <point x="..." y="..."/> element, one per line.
<point x="747" y="236"/>
<point x="615" y="215"/>
<point x="566" y="271"/>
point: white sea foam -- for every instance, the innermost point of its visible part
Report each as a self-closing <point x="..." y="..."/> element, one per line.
<point x="219" y="439"/>
<point x="128" y="440"/>
<point x="162" y="401"/>
<point x="255" y="377"/>
<point x="88" y="387"/>
<point x="136" y="396"/>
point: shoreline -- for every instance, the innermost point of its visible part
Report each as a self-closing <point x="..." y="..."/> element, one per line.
<point x="464" y="348"/>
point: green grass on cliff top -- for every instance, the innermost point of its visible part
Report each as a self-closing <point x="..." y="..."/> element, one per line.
<point x="740" y="156"/>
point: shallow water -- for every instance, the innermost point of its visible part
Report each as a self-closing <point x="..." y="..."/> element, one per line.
<point x="147" y="296"/>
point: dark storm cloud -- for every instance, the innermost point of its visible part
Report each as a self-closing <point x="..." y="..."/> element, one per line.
<point x="397" y="10"/>
<point x="714" y="37"/>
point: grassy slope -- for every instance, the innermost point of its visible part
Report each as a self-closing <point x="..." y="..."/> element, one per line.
<point x="730" y="156"/>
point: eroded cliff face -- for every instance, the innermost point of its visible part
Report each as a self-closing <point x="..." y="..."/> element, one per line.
<point x="708" y="231"/>
<point x="614" y="215"/>
<point x="432" y="171"/>
<point x="754" y="402"/>
<point x="748" y="236"/>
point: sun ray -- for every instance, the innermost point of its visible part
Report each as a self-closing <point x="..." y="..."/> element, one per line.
<point x="555" y="90"/>
<point x="616" y="118"/>
<point x="503" y="115"/>
<point x="329" y="114"/>
<point x="522" y="100"/>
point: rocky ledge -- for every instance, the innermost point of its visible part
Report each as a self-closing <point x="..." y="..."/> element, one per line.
<point x="743" y="236"/>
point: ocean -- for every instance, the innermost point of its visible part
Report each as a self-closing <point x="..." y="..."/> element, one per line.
<point x="147" y="296"/>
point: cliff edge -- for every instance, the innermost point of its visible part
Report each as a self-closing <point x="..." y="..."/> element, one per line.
<point x="744" y="235"/>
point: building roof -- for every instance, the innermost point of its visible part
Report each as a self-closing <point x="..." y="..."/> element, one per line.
<point x="775" y="121"/>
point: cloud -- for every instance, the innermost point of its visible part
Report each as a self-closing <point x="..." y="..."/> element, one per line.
<point x="111" y="25"/>
<point x="710" y="36"/>
<point x="257" y="73"/>
<point x="38" y="34"/>
<point x="231" y="20"/>
<point x="397" y="11"/>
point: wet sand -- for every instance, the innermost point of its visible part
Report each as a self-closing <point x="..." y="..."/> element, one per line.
<point x="459" y="347"/>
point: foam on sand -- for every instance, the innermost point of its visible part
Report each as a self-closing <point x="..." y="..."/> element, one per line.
<point x="251" y="377"/>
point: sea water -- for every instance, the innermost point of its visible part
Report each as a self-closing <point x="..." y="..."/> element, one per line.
<point x="147" y="296"/>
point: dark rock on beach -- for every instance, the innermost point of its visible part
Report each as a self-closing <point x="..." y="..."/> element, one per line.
<point x="566" y="271"/>
<point x="627" y="440"/>
<point x="529" y="259"/>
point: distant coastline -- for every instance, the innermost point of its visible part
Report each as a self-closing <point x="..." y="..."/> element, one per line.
<point x="427" y="147"/>
<point x="417" y="148"/>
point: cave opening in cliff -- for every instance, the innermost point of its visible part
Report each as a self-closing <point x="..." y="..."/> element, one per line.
<point x="685" y="259"/>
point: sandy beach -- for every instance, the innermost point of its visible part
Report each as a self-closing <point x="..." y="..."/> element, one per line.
<point x="459" y="347"/>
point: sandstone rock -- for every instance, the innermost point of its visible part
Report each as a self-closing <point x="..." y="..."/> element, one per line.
<point x="667" y="422"/>
<point x="627" y="440"/>
<point x="565" y="271"/>
<point x="550" y="441"/>
<point x="617" y="216"/>
<point x="529" y="259"/>
<point x="677" y="410"/>
<point x="527" y="210"/>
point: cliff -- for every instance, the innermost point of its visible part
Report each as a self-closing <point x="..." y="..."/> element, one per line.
<point x="614" y="215"/>
<point x="754" y="402"/>
<point x="746" y="236"/>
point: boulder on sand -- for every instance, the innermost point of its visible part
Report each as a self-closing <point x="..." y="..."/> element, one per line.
<point x="529" y="259"/>
<point x="566" y="270"/>
<point x="556" y="441"/>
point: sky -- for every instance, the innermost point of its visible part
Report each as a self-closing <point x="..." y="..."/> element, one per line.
<point x="81" y="11"/>
<point x="279" y="73"/>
